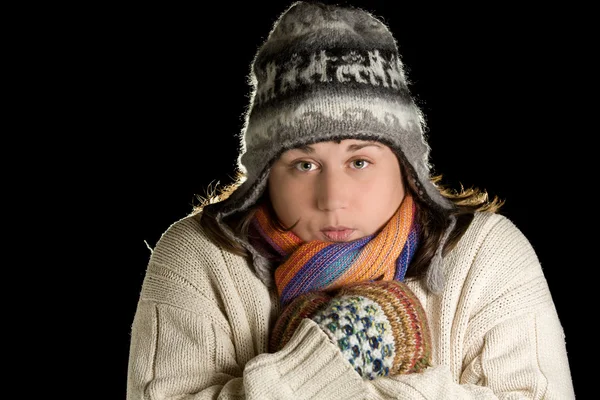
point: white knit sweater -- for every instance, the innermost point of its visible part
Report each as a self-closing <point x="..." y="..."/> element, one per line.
<point x="202" y="323"/>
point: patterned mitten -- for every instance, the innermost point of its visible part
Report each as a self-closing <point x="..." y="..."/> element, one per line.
<point x="380" y="327"/>
<point x="301" y="307"/>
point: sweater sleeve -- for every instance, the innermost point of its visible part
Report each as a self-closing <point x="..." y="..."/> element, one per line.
<point x="497" y="329"/>
<point x="514" y="342"/>
<point x="176" y="354"/>
<point x="201" y="331"/>
<point x="515" y="363"/>
<point x="498" y="332"/>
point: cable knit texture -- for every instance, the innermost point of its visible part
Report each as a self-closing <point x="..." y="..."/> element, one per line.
<point x="203" y="323"/>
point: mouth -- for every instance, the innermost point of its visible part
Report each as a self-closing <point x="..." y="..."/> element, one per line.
<point x="337" y="234"/>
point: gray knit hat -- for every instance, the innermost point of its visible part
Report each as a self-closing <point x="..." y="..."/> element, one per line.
<point x="328" y="73"/>
<point x="325" y="73"/>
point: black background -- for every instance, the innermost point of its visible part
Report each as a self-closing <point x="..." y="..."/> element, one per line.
<point x="167" y="91"/>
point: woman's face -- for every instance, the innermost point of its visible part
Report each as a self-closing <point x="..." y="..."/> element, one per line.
<point x="336" y="191"/>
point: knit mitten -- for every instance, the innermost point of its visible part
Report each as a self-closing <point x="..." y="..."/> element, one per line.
<point x="301" y="307"/>
<point x="380" y="327"/>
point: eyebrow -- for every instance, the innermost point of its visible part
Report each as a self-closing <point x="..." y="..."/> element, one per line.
<point x="354" y="147"/>
<point x="308" y="149"/>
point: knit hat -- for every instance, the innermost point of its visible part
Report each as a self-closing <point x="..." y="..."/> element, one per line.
<point x="324" y="73"/>
<point x="327" y="73"/>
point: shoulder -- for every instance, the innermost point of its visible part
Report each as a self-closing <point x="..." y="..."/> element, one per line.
<point x="187" y="269"/>
<point x="184" y="240"/>
<point x="495" y="230"/>
<point x="494" y="246"/>
<point x="185" y="255"/>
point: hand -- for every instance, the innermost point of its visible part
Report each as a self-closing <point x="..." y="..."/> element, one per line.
<point x="303" y="306"/>
<point x="380" y="327"/>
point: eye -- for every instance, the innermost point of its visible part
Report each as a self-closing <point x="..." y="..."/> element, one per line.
<point x="360" y="164"/>
<point x="304" y="166"/>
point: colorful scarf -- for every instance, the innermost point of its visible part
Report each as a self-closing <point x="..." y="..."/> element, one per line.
<point x="324" y="265"/>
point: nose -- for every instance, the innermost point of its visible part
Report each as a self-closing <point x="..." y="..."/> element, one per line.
<point x="333" y="191"/>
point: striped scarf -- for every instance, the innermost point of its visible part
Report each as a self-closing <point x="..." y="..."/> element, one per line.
<point x="324" y="265"/>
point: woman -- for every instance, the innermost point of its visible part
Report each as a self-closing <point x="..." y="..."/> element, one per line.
<point x="337" y="266"/>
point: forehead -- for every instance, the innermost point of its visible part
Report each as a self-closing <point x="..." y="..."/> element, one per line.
<point x="344" y="145"/>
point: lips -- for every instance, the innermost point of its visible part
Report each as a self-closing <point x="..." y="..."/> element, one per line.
<point x="338" y="234"/>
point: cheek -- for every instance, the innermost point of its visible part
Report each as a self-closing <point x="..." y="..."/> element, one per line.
<point x="382" y="186"/>
<point x="388" y="188"/>
<point x="288" y="197"/>
<point x="379" y="199"/>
